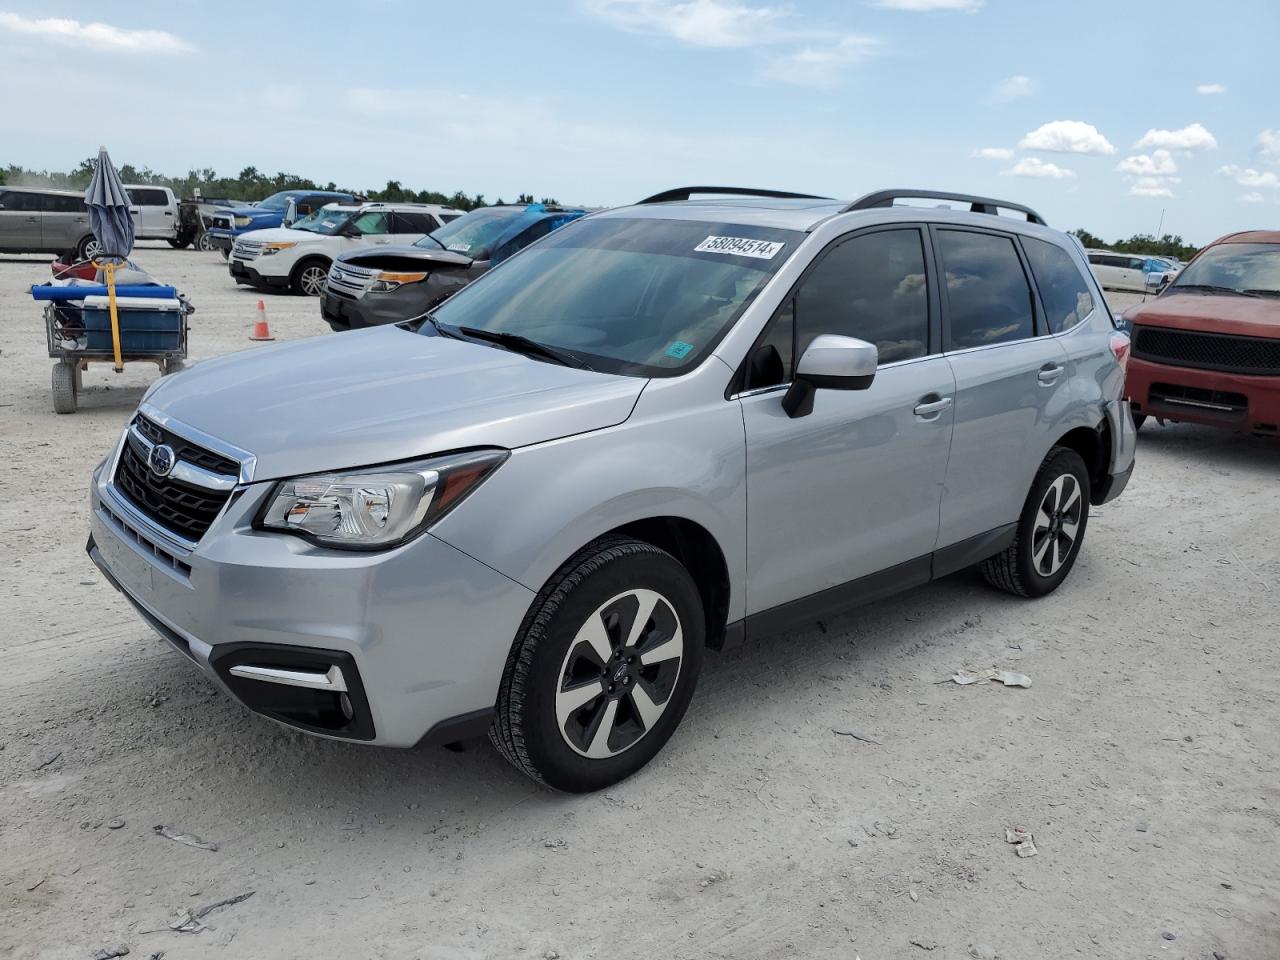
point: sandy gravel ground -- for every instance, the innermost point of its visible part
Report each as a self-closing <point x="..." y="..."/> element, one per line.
<point x="1144" y="758"/>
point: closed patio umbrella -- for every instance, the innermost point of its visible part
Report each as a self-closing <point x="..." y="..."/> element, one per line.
<point x="109" y="218"/>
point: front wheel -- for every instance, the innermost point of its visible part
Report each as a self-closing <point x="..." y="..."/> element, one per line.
<point x="309" y="277"/>
<point x="1050" y="530"/>
<point x="88" y="249"/>
<point x="203" y="242"/>
<point x="603" y="668"/>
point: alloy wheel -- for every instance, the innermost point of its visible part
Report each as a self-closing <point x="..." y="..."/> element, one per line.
<point x="1057" y="525"/>
<point x="619" y="673"/>
<point x="311" y="280"/>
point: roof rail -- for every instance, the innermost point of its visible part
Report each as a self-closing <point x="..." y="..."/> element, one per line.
<point x="684" y="193"/>
<point x="885" y="198"/>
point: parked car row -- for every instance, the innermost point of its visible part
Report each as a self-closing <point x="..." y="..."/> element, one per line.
<point x="659" y="428"/>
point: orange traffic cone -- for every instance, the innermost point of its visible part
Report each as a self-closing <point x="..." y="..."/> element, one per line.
<point x="260" y="329"/>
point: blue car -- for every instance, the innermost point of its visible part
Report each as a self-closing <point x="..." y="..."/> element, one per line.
<point x="278" y="210"/>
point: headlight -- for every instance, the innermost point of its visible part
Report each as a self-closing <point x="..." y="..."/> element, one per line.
<point x="243" y="221"/>
<point x="269" y="248"/>
<point x="376" y="508"/>
<point x="388" y="281"/>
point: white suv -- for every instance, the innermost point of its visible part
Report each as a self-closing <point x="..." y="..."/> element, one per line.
<point x="298" y="257"/>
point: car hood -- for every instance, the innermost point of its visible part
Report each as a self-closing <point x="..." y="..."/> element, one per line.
<point x="375" y="396"/>
<point x="399" y="255"/>
<point x="1212" y="313"/>
<point x="277" y="234"/>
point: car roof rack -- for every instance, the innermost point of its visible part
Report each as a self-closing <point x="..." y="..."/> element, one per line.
<point x="885" y="198"/>
<point x="684" y="193"/>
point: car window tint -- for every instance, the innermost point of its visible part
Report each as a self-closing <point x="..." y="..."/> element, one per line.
<point x="987" y="292"/>
<point x="407" y="222"/>
<point x="15" y="200"/>
<point x="149" y="197"/>
<point x="55" y="203"/>
<point x="871" y="287"/>
<point x="372" y="222"/>
<point x="523" y="239"/>
<point x="1063" y="291"/>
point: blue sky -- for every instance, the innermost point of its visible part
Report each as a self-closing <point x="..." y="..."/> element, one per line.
<point x="1098" y="114"/>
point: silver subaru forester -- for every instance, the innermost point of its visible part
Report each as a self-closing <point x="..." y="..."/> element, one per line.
<point x="661" y="428"/>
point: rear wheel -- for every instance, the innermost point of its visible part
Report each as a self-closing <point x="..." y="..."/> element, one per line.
<point x="603" y="668"/>
<point x="65" y="392"/>
<point x="1050" y="530"/>
<point x="308" y="278"/>
<point x="179" y="243"/>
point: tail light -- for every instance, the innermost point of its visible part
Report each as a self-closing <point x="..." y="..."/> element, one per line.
<point x="1120" y="349"/>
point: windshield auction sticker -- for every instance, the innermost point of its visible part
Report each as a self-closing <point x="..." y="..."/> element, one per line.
<point x="740" y="247"/>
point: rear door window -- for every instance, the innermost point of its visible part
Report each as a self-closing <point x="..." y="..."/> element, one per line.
<point x="56" y="203"/>
<point x="1063" y="292"/>
<point x="989" y="299"/>
<point x="409" y="222"/>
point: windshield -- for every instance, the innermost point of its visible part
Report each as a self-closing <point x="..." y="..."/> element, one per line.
<point x="643" y="297"/>
<point x="476" y="234"/>
<point x="1241" y="267"/>
<point x="277" y="201"/>
<point x="327" y="221"/>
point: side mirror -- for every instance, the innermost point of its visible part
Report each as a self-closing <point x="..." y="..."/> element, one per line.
<point x="830" y="363"/>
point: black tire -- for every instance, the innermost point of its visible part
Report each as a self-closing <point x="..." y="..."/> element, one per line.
<point x="203" y="242"/>
<point x="65" y="392"/>
<point x="308" y="277"/>
<point x="226" y="254"/>
<point x="87" y="248"/>
<point x="1023" y="569"/>
<point x="180" y="243"/>
<point x="547" y="655"/>
<point x="1138" y="420"/>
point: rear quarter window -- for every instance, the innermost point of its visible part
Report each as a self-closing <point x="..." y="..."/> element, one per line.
<point x="1063" y="291"/>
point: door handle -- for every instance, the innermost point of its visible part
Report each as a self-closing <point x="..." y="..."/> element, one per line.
<point x="931" y="405"/>
<point x="1050" y="372"/>
<point x="33" y="219"/>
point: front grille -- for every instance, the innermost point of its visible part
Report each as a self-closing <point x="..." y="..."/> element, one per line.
<point x="1256" y="356"/>
<point x="220" y="221"/>
<point x="184" y="509"/>
<point x="246" y="249"/>
<point x="349" y="281"/>
<point x="185" y="450"/>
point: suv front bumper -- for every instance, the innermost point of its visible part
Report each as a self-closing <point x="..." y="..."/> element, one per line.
<point x="243" y="273"/>
<point x="419" y="634"/>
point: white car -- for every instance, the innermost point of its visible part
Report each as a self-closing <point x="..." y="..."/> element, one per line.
<point x="1133" y="272"/>
<point x="297" y="258"/>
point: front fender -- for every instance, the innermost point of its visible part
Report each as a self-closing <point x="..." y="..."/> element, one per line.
<point x="549" y="500"/>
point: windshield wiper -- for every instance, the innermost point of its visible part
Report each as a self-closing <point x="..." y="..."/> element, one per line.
<point x="1213" y="288"/>
<point x="1263" y="292"/>
<point x="414" y="324"/>
<point x="519" y="344"/>
<point x="427" y="236"/>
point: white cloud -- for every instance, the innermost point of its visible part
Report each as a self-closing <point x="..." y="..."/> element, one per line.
<point x="96" y="36"/>
<point x="1011" y="88"/>
<point x="1254" y="197"/>
<point x="1035" y="167"/>
<point x="821" y="65"/>
<point x="1269" y="145"/>
<point x="1158" y="164"/>
<point x="1210" y="89"/>
<point x="1248" y="177"/>
<point x="993" y="153"/>
<point x="1152" y="187"/>
<point x="927" y="6"/>
<point x="1067" y="136"/>
<point x="1191" y="137"/>
<point x="699" y="23"/>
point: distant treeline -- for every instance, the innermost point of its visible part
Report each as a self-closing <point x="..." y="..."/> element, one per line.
<point x="251" y="184"/>
<point x="1170" y="245"/>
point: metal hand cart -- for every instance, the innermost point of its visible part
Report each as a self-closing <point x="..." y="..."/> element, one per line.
<point x="111" y="324"/>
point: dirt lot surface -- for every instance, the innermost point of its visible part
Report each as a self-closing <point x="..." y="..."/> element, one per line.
<point x="1144" y="758"/>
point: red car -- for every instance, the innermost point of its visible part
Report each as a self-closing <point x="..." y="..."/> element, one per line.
<point x="1207" y="350"/>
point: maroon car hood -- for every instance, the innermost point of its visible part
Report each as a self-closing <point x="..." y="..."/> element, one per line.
<point x="1209" y="313"/>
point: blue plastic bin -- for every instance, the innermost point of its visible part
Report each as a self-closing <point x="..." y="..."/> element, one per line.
<point x="141" y="330"/>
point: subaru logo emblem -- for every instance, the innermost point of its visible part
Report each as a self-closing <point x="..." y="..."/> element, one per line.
<point x="336" y="274"/>
<point x="161" y="460"/>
